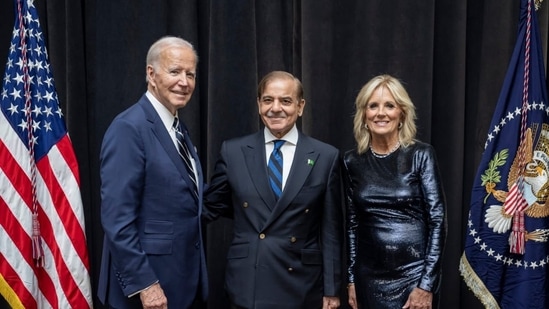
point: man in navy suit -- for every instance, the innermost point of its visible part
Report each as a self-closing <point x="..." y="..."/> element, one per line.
<point x="286" y="250"/>
<point x="150" y="200"/>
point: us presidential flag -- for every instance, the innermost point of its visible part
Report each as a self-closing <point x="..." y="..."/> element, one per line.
<point x="43" y="254"/>
<point x="506" y="256"/>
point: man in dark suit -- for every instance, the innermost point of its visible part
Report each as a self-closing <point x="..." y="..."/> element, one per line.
<point x="151" y="193"/>
<point x="286" y="250"/>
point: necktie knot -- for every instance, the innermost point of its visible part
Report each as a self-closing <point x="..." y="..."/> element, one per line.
<point x="278" y="143"/>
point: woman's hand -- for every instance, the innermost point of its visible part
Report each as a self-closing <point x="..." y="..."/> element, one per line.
<point x="352" y="295"/>
<point x="419" y="299"/>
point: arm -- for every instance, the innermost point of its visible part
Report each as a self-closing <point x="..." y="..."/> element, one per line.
<point x="331" y="236"/>
<point x="122" y="179"/>
<point x="435" y="204"/>
<point x="351" y="226"/>
<point x="218" y="196"/>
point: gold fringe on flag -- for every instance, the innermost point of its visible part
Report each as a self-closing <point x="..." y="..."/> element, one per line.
<point x="476" y="285"/>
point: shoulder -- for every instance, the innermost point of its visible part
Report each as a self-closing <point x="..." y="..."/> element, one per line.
<point x="420" y="147"/>
<point x="307" y="141"/>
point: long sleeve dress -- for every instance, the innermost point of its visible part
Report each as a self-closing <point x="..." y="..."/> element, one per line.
<point x="395" y="224"/>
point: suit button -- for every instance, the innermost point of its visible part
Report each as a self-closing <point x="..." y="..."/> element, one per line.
<point x="245" y="204"/>
<point x="307" y="210"/>
<point x="293" y="239"/>
<point x="261" y="236"/>
<point x="197" y="245"/>
<point x="290" y="269"/>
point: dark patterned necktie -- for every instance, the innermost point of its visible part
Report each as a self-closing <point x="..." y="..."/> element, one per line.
<point x="275" y="168"/>
<point x="185" y="154"/>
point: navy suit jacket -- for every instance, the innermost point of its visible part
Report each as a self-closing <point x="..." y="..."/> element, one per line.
<point x="284" y="254"/>
<point x="149" y="214"/>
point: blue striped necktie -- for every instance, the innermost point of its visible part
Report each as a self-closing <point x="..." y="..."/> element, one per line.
<point x="185" y="154"/>
<point x="275" y="168"/>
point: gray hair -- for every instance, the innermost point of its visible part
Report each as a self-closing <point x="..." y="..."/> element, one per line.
<point x="153" y="56"/>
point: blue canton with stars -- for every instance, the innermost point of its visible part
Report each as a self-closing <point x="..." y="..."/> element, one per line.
<point x="47" y="122"/>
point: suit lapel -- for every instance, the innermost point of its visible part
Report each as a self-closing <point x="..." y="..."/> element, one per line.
<point x="304" y="158"/>
<point x="165" y="139"/>
<point x="254" y="154"/>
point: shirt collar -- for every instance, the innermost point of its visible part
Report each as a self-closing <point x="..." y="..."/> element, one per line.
<point x="290" y="137"/>
<point x="165" y="115"/>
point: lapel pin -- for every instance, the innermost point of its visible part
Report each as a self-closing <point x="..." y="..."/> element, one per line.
<point x="310" y="162"/>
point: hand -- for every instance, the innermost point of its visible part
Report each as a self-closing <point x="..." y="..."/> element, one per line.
<point x="153" y="297"/>
<point x="330" y="302"/>
<point x="352" y="295"/>
<point x="419" y="299"/>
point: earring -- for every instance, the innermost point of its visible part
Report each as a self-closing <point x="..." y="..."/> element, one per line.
<point x="399" y="125"/>
<point x="366" y="127"/>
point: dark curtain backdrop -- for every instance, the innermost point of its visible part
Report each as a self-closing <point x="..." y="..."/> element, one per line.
<point x="451" y="55"/>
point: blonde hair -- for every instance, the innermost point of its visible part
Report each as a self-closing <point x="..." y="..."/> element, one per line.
<point x="407" y="132"/>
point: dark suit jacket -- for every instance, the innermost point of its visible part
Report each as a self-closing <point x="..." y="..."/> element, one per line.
<point x="149" y="214"/>
<point x="284" y="254"/>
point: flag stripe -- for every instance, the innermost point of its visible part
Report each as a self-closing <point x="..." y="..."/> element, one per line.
<point x="64" y="222"/>
<point x="15" y="292"/>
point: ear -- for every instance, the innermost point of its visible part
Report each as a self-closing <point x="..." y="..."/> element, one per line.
<point x="301" y="107"/>
<point x="150" y="75"/>
<point x="258" y="106"/>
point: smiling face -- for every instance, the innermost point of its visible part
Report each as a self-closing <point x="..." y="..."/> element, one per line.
<point x="172" y="77"/>
<point x="279" y="106"/>
<point x="383" y="115"/>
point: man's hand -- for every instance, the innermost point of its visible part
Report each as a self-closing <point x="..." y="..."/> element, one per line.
<point x="330" y="302"/>
<point x="153" y="297"/>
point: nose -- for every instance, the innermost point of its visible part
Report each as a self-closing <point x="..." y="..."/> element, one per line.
<point x="183" y="80"/>
<point x="277" y="106"/>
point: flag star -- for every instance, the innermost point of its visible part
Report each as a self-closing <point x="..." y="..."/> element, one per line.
<point x="38" y="51"/>
<point x="510" y="116"/>
<point x="35" y="125"/>
<point x="498" y="257"/>
<point x="38" y="65"/>
<point x="18" y="78"/>
<point x="517" y="111"/>
<point x="509" y="261"/>
<point x="496" y="129"/>
<point x="12" y="109"/>
<point x="534" y="264"/>
<point x="20" y="64"/>
<point x="23" y="125"/>
<point x="47" y="126"/>
<point x="36" y="111"/>
<point x="502" y="122"/>
<point x="542" y="263"/>
<point x="528" y="106"/>
<point x="490" y="252"/>
<point x="47" y="111"/>
<point x="477" y="240"/>
<point x="535" y="105"/>
<point x="34" y="140"/>
<point x="6" y="78"/>
<point x="16" y="94"/>
<point x="28" y="17"/>
<point x="9" y="65"/>
<point x="4" y="93"/>
<point x="48" y="96"/>
<point x="483" y="246"/>
<point x="518" y="263"/>
<point x="541" y="106"/>
<point x="473" y="232"/>
<point x="469" y="223"/>
<point x="59" y="113"/>
<point x="49" y="81"/>
<point x="490" y="137"/>
<point x="15" y="32"/>
<point x="38" y="96"/>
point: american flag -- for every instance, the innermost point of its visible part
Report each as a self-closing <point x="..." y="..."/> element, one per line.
<point x="43" y="254"/>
